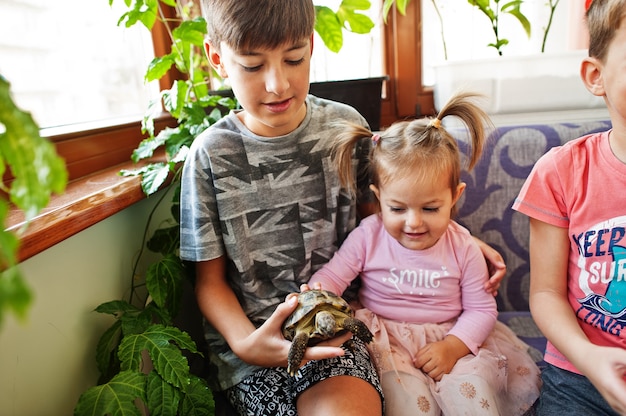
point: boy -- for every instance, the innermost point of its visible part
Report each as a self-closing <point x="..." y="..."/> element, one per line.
<point x="578" y="241"/>
<point x="263" y="210"/>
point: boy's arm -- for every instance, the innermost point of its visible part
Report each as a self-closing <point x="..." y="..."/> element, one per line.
<point x="549" y="251"/>
<point x="604" y="366"/>
<point x="264" y="346"/>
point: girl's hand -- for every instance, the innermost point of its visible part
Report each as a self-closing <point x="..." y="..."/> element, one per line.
<point x="438" y="358"/>
<point x="495" y="264"/>
<point x="267" y="347"/>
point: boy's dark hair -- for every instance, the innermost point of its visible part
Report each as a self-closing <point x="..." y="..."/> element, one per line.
<point x="252" y="24"/>
<point x="603" y="19"/>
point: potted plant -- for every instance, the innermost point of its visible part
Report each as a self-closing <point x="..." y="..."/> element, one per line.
<point x="511" y="81"/>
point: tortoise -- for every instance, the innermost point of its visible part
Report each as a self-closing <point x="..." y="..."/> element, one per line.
<point x="320" y="315"/>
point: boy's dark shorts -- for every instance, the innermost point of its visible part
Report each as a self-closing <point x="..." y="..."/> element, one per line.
<point x="272" y="391"/>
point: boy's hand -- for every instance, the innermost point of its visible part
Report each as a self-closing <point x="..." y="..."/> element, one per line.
<point x="438" y="358"/>
<point x="316" y="286"/>
<point x="495" y="265"/>
<point x="267" y="347"/>
<point x="607" y="372"/>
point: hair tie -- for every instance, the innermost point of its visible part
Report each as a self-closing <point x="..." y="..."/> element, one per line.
<point x="435" y="122"/>
<point x="375" y="139"/>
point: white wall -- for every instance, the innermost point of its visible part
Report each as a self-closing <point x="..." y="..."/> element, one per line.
<point x="48" y="361"/>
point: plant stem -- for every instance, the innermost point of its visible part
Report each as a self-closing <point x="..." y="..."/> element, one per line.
<point x="144" y="239"/>
<point x="443" y="38"/>
<point x="547" y="29"/>
<point x="495" y="29"/>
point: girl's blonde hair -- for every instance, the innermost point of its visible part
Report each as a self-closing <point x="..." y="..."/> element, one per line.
<point x="421" y="147"/>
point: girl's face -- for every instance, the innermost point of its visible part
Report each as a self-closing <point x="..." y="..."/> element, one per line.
<point x="270" y="84"/>
<point x="417" y="213"/>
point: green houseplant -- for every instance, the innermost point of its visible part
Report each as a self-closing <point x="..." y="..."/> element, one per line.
<point x="143" y="356"/>
<point x="37" y="172"/>
<point x="492" y="10"/>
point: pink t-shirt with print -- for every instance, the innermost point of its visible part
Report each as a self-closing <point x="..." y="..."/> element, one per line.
<point x="581" y="186"/>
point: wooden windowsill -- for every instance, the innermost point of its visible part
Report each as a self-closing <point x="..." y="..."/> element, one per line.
<point x="94" y="156"/>
<point x="85" y="202"/>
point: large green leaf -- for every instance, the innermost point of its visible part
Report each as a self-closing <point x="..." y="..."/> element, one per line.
<point x="38" y="172"/>
<point x="8" y="240"/>
<point x="175" y="98"/>
<point x="159" y="66"/>
<point x="357" y="22"/>
<point x="117" y="308"/>
<point x="163" y="280"/>
<point x="199" y="400"/>
<point x="163" y="399"/>
<point x="144" y="11"/>
<point x="329" y="28"/>
<point x="513" y="8"/>
<point x="35" y="165"/>
<point x="152" y="176"/>
<point x="106" y="357"/>
<point x="115" y="398"/>
<point x="15" y="295"/>
<point x="167" y="359"/>
<point x="191" y="31"/>
<point x="165" y="240"/>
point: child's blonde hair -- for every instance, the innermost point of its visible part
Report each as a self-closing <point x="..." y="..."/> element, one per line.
<point x="603" y="19"/>
<point x="252" y="24"/>
<point x="419" y="147"/>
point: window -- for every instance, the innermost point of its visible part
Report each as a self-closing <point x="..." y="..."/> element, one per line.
<point x="467" y="31"/>
<point x="361" y="55"/>
<point x="68" y="61"/>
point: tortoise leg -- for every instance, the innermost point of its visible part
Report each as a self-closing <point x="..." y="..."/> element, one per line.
<point x="359" y="329"/>
<point x="296" y="352"/>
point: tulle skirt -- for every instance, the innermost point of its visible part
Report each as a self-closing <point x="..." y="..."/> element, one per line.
<point x="501" y="379"/>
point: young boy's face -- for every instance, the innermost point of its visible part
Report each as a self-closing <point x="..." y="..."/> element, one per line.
<point x="270" y="84"/>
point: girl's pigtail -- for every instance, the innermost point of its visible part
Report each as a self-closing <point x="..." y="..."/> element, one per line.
<point x="343" y="150"/>
<point x="463" y="105"/>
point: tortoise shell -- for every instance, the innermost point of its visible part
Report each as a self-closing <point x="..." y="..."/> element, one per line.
<point x="310" y="303"/>
<point x="320" y="315"/>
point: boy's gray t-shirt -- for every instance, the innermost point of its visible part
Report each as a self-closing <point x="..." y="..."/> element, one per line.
<point x="272" y="206"/>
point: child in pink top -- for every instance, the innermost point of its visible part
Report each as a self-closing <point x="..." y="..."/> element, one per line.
<point x="436" y="343"/>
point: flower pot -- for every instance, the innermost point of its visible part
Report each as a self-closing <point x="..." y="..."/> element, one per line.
<point x="519" y="84"/>
<point x="363" y="94"/>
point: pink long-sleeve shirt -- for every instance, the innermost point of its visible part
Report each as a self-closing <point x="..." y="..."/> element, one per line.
<point x="435" y="285"/>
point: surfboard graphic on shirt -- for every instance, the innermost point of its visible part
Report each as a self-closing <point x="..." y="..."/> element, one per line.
<point x="602" y="279"/>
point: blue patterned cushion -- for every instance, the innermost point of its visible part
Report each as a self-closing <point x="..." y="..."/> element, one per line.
<point x="485" y="209"/>
<point x="493" y="185"/>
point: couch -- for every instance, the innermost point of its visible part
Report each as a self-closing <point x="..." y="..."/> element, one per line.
<point x="485" y="208"/>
